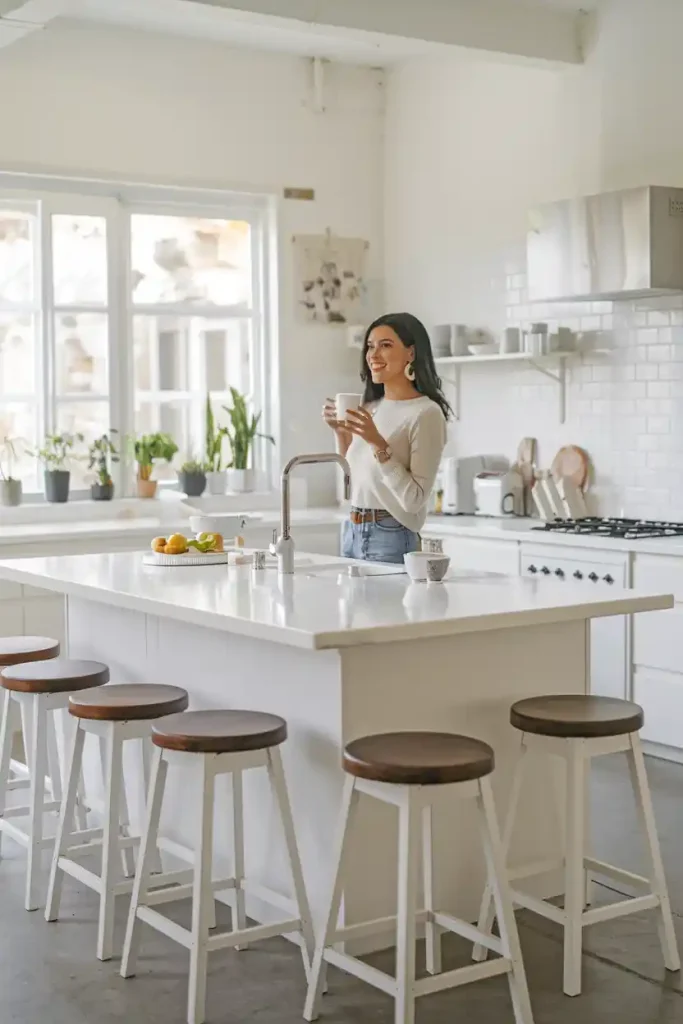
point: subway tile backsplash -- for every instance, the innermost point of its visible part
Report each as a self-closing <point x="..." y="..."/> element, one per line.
<point x="625" y="407"/>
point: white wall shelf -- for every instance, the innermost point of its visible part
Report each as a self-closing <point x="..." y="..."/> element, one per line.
<point x="553" y="365"/>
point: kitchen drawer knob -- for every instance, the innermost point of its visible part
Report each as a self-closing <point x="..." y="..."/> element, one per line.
<point x="545" y="570"/>
<point x="593" y="576"/>
<point x="532" y="568"/>
<point x="559" y="572"/>
<point x="578" y="575"/>
<point x="608" y="578"/>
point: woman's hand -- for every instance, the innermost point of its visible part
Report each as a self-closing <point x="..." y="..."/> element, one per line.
<point x="340" y="429"/>
<point x="361" y="423"/>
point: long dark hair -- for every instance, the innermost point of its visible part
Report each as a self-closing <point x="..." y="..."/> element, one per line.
<point x="412" y="333"/>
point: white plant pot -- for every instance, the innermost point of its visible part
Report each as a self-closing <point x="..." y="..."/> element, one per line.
<point x="241" y="480"/>
<point x="216" y="482"/>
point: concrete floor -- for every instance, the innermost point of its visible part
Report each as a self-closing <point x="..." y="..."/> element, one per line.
<point x="49" y="974"/>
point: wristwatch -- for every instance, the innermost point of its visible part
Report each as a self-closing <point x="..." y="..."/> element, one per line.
<point x="383" y="454"/>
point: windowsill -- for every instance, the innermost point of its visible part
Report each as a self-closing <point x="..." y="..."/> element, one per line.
<point x="170" y="506"/>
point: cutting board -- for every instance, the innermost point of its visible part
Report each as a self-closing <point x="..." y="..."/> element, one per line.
<point x="572" y="463"/>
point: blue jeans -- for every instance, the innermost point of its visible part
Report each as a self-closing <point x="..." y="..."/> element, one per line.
<point x="384" y="541"/>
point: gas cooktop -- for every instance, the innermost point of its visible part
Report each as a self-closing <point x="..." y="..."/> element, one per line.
<point x="628" y="529"/>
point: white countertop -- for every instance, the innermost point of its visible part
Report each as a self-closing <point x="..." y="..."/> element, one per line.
<point x="326" y="610"/>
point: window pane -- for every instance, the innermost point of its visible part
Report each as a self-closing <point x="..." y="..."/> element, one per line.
<point x="190" y="259"/>
<point x="79" y="246"/>
<point x="192" y="354"/>
<point x="18" y="421"/>
<point x="17" y="348"/>
<point x="81" y="341"/>
<point x="88" y="418"/>
<point x="17" y="232"/>
<point x="168" y="417"/>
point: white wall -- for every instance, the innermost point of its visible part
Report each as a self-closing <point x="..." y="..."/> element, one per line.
<point x="79" y="99"/>
<point x="471" y="144"/>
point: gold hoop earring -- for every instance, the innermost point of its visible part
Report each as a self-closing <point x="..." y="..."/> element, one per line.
<point x="409" y="371"/>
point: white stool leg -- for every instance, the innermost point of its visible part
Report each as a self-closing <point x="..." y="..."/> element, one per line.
<point x="203" y="862"/>
<point x="53" y="765"/>
<point x="127" y="858"/>
<point x="239" y="915"/>
<point x="146" y="749"/>
<point x="110" y="844"/>
<point x="148" y="848"/>
<point x="408" y="853"/>
<point x="574" y="886"/>
<point x="641" y="789"/>
<point x="432" y="931"/>
<point x="6" y="739"/>
<point x="487" y="912"/>
<point x="54" y="889"/>
<point x="36" y="800"/>
<point x="344" y="826"/>
<point x="279" y="784"/>
<point x="497" y="872"/>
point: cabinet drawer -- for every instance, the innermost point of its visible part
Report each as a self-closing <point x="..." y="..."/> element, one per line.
<point x="658" y="640"/>
<point x="660" y="694"/>
<point x="654" y="572"/>
<point x="489" y="556"/>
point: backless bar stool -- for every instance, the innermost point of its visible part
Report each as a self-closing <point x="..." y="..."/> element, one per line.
<point x="15" y="650"/>
<point x="116" y="714"/>
<point x="408" y="770"/>
<point x="577" y="728"/>
<point x="213" y="743"/>
<point x="38" y="688"/>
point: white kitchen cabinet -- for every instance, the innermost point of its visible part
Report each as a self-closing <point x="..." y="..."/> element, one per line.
<point x="44" y="616"/>
<point x="485" y="555"/>
<point x="609" y="642"/>
<point x="660" y="694"/>
<point x="11" y="618"/>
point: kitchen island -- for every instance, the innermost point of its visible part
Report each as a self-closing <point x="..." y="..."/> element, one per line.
<point x="339" y="657"/>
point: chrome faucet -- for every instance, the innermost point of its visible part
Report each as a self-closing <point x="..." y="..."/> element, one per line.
<point x="283" y="547"/>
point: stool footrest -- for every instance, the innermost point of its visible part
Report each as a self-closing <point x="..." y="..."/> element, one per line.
<point x="22" y="783"/>
<point x="537" y="906"/>
<point x="621" y="909"/>
<point x="255" y="933"/>
<point x="19" y="836"/>
<point x="618" y="874"/>
<point x="163" y="924"/>
<point x="462" y="976"/>
<point x="84" y="875"/>
<point x="359" y="969"/>
<point x="23" y="810"/>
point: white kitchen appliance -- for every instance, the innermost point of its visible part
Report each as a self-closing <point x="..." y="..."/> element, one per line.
<point x="499" y="493"/>
<point x="458" y="481"/>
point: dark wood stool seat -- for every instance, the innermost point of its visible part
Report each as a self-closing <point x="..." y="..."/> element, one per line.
<point x="576" y="715"/>
<point x="219" y="732"/>
<point x="59" y="675"/>
<point x="418" y="758"/>
<point x="16" y="650"/>
<point x="125" y="702"/>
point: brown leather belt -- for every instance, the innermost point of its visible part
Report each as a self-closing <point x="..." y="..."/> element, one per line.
<point x="368" y="515"/>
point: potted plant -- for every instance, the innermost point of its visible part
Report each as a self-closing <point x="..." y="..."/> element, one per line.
<point x="147" y="449"/>
<point x="10" y="487"/>
<point x="57" y="450"/>
<point x="215" y="470"/>
<point x="241" y="433"/>
<point x="101" y="454"/>
<point x="192" y="478"/>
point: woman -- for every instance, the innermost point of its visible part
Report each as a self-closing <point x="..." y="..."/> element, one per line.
<point x="394" y="442"/>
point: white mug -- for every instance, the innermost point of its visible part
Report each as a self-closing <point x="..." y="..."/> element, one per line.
<point x="344" y="403"/>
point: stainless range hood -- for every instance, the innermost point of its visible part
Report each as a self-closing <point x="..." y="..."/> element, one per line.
<point x="617" y="245"/>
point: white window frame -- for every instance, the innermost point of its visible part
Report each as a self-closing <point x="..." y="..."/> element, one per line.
<point x="118" y="202"/>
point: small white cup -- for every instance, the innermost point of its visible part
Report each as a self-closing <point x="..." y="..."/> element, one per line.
<point x="345" y="403"/>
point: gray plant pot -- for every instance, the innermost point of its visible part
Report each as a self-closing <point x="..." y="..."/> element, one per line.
<point x="102" y="492"/>
<point x="10" y="492"/>
<point x="192" y="484"/>
<point x="57" y="485"/>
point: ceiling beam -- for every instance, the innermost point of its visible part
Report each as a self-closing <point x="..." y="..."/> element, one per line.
<point x="523" y="29"/>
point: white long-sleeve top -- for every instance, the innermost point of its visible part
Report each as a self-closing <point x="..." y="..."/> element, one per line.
<point x="415" y="429"/>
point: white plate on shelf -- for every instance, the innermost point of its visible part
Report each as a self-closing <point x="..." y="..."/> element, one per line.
<point x="210" y="558"/>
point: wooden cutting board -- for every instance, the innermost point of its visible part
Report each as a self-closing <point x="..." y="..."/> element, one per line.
<point x="526" y="460"/>
<point x="572" y="463"/>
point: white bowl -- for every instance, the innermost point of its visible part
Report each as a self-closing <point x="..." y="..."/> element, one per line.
<point x="422" y="566"/>
<point x="225" y="524"/>
<point x="482" y="348"/>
